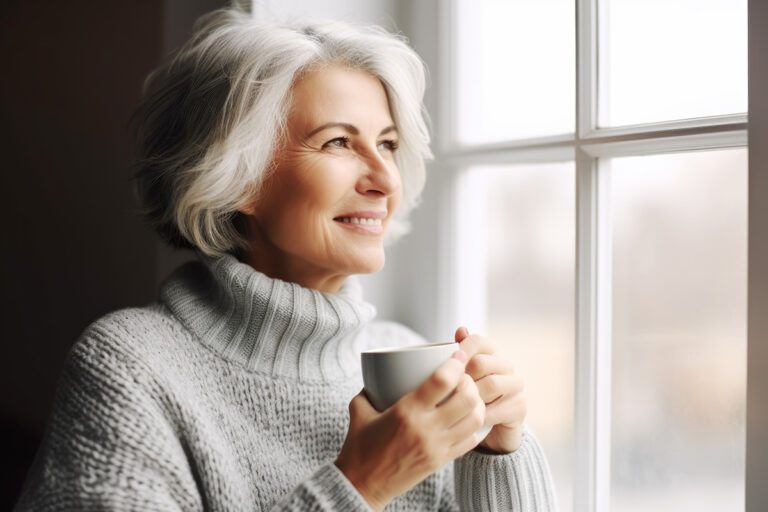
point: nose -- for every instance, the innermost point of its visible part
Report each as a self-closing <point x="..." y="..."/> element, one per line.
<point x="380" y="176"/>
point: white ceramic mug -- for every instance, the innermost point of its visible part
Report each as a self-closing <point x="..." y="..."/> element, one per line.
<point x="390" y="373"/>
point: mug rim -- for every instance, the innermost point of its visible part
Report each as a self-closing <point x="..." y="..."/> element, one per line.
<point x="408" y="348"/>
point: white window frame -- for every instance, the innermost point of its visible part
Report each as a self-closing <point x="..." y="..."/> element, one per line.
<point x="593" y="262"/>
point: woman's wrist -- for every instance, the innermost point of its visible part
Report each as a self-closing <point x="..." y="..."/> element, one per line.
<point x="510" y="443"/>
<point x="376" y="503"/>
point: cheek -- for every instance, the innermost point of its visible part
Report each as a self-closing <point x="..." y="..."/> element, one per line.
<point x="305" y="194"/>
<point x="303" y="210"/>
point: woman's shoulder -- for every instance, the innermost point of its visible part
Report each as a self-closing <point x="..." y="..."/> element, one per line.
<point x="117" y="321"/>
<point x="128" y="325"/>
<point x="126" y="338"/>
<point x="106" y="369"/>
<point x="111" y="433"/>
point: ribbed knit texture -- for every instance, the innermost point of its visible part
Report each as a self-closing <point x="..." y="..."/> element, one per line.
<point x="231" y="393"/>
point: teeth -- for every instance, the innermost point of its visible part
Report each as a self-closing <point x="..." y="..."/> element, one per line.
<point x="356" y="220"/>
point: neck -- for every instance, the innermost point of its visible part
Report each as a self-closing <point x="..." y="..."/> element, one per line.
<point x="301" y="273"/>
<point x="268" y="325"/>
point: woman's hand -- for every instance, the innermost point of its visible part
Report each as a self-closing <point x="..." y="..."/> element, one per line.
<point x="501" y="390"/>
<point x="385" y="454"/>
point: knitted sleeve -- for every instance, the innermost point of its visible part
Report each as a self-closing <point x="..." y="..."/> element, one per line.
<point x="516" y="482"/>
<point x="108" y="445"/>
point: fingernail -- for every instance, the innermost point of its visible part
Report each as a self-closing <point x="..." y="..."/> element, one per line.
<point x="460" y="355"/>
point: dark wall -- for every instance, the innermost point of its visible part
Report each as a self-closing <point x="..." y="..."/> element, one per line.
<point x="72" y="246"/>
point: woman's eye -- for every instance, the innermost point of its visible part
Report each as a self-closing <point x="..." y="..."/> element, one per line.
<point x="338" y="142"/>
<point x="389" y="145"/>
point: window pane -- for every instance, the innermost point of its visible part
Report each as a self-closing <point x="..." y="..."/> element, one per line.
<point x="679" y="331"/>
<point x="515" y="70"/>
<point x="526" y="219"/>
<point x="672" y="59"/>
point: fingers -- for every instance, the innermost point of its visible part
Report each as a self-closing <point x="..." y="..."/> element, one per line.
<point x="508" y="411"/>
<point x="470" y="423"/>
<point x="443" y="381"/>
<point x="499" y="388"/>
<point x="360" y="408"/>
<point x="474" y="344"/>
<point x="483" y="364"/>
<point x="463" y="446"/>
<point x="466" y="413"/>
<point x="460" y="403"/>
<point x="494" y="376"/>
<point x="461" y="333"/>
<point x="467" y="434"/>
<point x="494" y="386"/>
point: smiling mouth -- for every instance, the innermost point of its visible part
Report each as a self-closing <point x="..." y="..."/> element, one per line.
<point x="359" y="221"/>
<point x="361" y="226"/>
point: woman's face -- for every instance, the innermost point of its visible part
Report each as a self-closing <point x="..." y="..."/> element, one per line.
<point x="335" y="163"/>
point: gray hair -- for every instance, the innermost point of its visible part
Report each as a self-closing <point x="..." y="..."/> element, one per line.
<point x="211" y="116"/>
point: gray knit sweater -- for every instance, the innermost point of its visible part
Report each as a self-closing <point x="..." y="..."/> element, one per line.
<point x="231" y="393"/>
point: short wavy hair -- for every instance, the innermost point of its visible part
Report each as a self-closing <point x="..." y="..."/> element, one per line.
<point x="211" y="117"/>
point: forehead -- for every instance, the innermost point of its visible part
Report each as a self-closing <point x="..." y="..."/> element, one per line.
<point x="336" y="93"/>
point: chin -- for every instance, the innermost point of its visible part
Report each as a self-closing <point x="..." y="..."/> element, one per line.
<point x="369" y="265"/>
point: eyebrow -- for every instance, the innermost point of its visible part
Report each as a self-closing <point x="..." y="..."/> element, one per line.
<point x="349" y="128"/>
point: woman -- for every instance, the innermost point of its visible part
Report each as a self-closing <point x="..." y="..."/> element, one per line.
<point x="284" y="156"/>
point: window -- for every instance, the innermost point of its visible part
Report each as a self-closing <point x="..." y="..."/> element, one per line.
<point x="678" y="362"/>
<point x="597" y="163"/>
<point x="505" y="89"/>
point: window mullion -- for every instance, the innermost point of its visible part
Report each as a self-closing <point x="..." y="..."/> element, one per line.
<point x="590" y="487"/>
<point x="586" y="67"/>
<point x="593" y="337"/>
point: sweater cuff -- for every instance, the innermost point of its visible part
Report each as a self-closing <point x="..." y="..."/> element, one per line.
<point x="518" y="481"/>
<point x="332" y="491"/>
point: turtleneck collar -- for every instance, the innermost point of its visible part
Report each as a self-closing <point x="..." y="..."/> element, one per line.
<point x="267" y="325"/>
